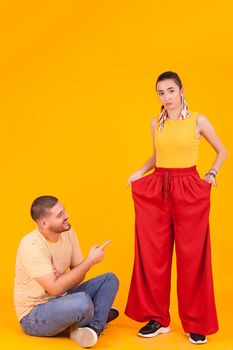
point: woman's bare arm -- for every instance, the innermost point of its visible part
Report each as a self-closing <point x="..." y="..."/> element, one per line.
<point x="150" y="163"/>
<point x="205" y="128"/>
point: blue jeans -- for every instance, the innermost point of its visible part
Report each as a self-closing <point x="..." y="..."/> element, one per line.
<point x="86" y="304"/>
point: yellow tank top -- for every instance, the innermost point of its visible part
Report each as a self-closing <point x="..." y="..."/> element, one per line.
<point x="177" y="145"/>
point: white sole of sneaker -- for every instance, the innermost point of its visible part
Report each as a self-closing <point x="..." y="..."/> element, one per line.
<point x="84" y="336"/>
<point x="199" y="342"/>
<point x="161" y="330"/>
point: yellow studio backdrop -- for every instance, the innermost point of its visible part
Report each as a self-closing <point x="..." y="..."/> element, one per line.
<point x="77" y="95"/>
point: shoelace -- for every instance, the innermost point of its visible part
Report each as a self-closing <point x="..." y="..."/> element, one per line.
<point x="152" y="322"/>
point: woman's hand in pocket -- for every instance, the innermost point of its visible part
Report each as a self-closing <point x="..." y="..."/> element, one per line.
<point x="135" y="176"/>
<point x="210" y="178"/>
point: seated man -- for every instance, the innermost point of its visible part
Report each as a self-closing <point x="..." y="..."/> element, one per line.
<point x="49" y="296"/>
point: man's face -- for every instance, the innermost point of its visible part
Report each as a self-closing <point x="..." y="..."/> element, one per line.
<point x="57" y="219"/>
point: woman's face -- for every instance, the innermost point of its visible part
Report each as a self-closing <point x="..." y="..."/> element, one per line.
<point x="169" y="94"/>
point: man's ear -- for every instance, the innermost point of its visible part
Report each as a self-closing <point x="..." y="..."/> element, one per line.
<point x="43" y="223"/>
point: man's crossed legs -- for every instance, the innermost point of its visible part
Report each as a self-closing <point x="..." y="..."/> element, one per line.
<point x="85" y="308"/>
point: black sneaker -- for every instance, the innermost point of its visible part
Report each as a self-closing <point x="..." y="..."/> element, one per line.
<point x="152" y="329"/>
<point x="113" y="313"/>
<point x="197" y="338"/>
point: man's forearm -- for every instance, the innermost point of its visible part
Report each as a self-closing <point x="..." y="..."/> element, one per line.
<point x="71" y="278"/>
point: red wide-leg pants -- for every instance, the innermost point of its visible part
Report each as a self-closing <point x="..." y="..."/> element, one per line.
<point x="172" y="205"/>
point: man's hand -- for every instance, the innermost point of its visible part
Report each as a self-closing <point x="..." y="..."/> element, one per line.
<point x="57" y="274"/>
<point x="96" y="253"/>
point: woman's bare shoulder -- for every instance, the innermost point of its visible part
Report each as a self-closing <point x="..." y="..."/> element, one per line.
<point x="204" y="125"/>
<point x="201" y="119"/>
<point x="153" y="123"/>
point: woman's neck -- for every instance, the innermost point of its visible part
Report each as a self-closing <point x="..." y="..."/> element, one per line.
<point x="174" y="114"/>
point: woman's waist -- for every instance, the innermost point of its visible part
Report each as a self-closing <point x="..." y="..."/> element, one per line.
<point x="176" y="171"/>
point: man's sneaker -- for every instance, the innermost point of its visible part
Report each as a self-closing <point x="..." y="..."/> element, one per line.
<point x="96" y="329"/>
<point x="152" y="329"/>
<point x="88" y="336"/>
<point x="84" y="336"/>
<point x="197" y="338"/>
<point x="113" y="313"/>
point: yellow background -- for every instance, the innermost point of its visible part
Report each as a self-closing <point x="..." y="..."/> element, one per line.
<point x="77" y="95"/>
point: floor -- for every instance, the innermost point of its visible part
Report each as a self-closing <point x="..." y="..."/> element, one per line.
<point x="120" y="334"/>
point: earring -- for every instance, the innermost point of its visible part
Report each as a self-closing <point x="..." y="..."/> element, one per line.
<point x="182" y="101"/>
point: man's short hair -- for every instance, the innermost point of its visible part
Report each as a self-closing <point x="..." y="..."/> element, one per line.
<point x="41" y="205"/>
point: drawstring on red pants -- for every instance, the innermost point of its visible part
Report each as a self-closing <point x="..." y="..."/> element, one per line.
<point x="166" y="185"/>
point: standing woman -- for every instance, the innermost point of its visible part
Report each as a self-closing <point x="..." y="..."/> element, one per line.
<point x="172" y="205"/>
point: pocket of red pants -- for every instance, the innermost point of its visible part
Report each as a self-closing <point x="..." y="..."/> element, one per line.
<point x="140" y="180"/>
<point x="204" y="182"/>
<point x="135" y="182"/>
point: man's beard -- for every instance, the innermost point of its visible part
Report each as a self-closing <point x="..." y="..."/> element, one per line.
<point x="60" y="228"/>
